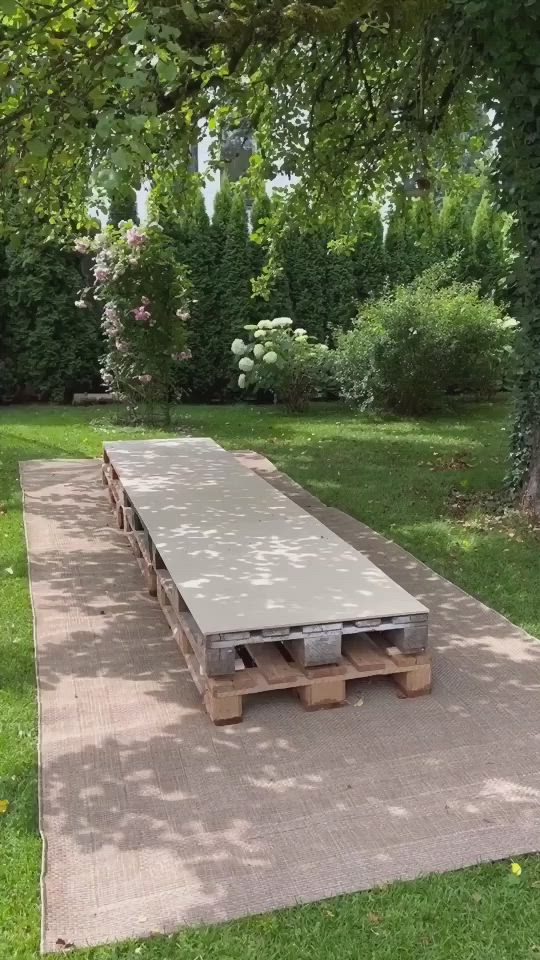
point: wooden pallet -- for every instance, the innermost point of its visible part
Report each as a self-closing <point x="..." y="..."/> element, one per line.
<point x="226" y="668"/>
<point x="311" y="645"/>
<point x="262" y="667"/>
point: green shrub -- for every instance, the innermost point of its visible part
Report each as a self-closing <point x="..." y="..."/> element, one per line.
<point x="282" y="361"/>
<point x="144" y="292"/>
<point x="421" y="341"/>
<point x="49" y="348"/>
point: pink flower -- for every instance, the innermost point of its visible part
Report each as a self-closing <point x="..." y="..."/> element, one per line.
<point x="82" y="245"/>
<point x="134" y="237"/>
<point x="184" y="355"/>
<point x="142" y="315"/>
<point x="122" y="346"/>
<point x="101" y="274"/>
<point x="145" y="378"/>
<point x="111" y="312"/>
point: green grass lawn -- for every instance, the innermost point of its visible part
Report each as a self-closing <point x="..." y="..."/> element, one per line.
<point x="403" y="477"/>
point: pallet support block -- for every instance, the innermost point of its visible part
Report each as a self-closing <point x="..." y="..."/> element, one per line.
<point x="409" y="635"/>
<point x="415" y="682"/>
<point x="327" y="692"/>
<point x="223" y="710"/>
<point x="318" y="646"/>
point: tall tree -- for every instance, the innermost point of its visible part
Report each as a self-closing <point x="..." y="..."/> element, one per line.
<point x="122" y="205"/>
<point x="236" y="305"/>
<point x="425" y="228"/>
<point x="340" y="291"/>
<point x="306" y="272"/>
<point x="454" y="238"/>
<point x="204" y="334"/>
<point x="488" y="248"/>
<point x="369" y="257"/>
<point x="88" y="88"/>
<point x="277" y="302"/>
<point x="399" y="247"/>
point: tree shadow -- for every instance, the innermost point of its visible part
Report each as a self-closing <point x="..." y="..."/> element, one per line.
<point x="153" y="818"/>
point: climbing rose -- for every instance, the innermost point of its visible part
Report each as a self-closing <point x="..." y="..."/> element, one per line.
<point x="101" y="274"/>
<point x="242" y="381"/>
<point x="141" y="314"/>
<point x="134" y="237"/>
<point x="238" y="347"/>
<point x="111" y="312"/>
<point x="246" y="364"/>
<point x="270" y="357"/>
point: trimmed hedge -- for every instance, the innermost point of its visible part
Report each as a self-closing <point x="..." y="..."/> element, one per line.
<point x="49" y="348"/>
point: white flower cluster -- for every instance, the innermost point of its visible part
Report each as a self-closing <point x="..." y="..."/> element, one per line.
<point x="262" y="349"/>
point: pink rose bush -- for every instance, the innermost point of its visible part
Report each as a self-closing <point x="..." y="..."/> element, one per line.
<point x="144" y="292"/>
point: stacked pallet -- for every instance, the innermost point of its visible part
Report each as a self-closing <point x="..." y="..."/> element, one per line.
<point x="175" y="504"/>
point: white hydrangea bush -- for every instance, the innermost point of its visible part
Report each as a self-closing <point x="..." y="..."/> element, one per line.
<point x="276" y="357"/>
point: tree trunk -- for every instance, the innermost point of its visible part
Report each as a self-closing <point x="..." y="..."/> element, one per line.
<point x="531" y="487"/>
<point x="507" y="38"/>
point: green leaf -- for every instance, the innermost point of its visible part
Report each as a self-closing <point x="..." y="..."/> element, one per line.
<point x="38" y="147"/>
<point x="137" y="32"/>
<point x="166" y="71"/>
<point x="121" y="158"/>
<point x="189" y="10"/>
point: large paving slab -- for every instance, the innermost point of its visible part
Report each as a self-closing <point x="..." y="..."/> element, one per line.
<point x="242" y="554"/>
<point x="154" y="819"/>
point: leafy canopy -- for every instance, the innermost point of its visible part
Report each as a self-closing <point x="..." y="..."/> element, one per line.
<point x="97" y="89"/>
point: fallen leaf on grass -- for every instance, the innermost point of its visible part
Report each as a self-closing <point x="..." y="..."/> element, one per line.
<point x="4" y="806"/>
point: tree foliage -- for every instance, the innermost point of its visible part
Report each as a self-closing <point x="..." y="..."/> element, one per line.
<point x="348" y="95"/>
<point x="368" y="251"/>
<point x="122" y="205"/>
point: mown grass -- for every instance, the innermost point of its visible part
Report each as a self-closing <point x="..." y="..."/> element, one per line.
<point x="401" y="477"/>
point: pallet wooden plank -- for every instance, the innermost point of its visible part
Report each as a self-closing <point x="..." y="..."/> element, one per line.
<point x="273" y="665"/>
<point x="363" y="655"/>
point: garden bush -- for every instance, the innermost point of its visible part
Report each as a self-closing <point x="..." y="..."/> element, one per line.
<point x="282" y="361"/>
<point x="145" y="296"/>
<point x="414" y="345"/>
<point x="49" y="349"/>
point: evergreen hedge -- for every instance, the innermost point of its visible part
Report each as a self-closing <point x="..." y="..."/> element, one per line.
<point x="49" y="348"/>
